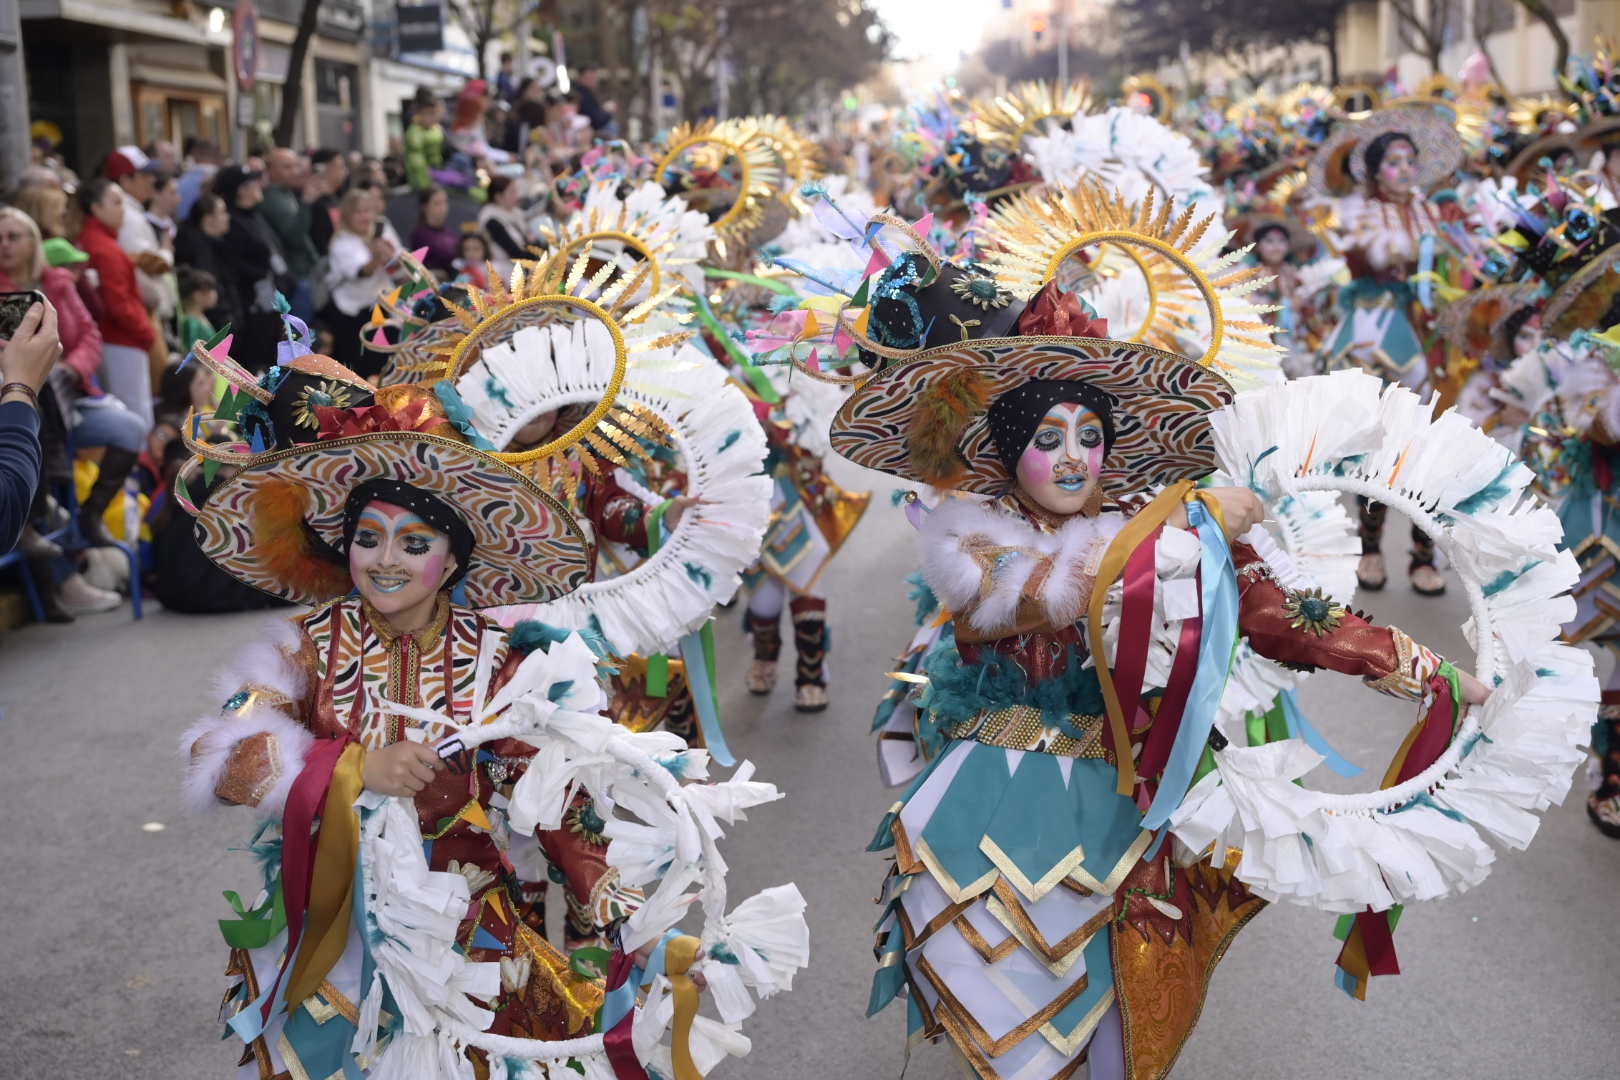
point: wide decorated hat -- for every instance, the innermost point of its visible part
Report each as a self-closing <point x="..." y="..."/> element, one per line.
<point x="1340" y="163"/>
<point x="314" y="435"/>
<point x="1055" y="262"/>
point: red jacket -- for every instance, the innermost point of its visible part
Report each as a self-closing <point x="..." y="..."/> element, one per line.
<point x="124" y="318"/>
<point x="81" y="338"/>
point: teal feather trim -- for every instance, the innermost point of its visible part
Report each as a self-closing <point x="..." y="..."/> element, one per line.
<point x="532" y="634"/>
<point x="921" y="595"/>
<point x="957" y="691"/>
<point x="460" y="414"/>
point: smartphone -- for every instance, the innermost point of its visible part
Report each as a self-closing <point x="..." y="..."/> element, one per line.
<point x="377" y="231"/>
<point x="13" y="306"/>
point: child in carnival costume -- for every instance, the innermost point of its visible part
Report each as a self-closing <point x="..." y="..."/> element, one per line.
<point x="405" y="724"/>
<point x="1377" y="172"/>
<point x="811" y="515"/>
<point x="1066" y="581"/>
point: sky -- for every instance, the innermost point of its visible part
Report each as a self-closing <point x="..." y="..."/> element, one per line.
<point x="936" y="30"/>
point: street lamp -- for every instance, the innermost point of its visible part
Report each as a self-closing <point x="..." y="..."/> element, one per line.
<point x="216" y="20"/>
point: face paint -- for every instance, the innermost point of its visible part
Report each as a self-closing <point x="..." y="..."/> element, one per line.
<point x="1398" y="171"/>
<point x="1061" y="467"/>
<point x="397" y="561"/>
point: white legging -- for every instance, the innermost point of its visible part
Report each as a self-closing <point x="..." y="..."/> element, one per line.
<point x="126" y="374"/>
<point x="768" y="599"/>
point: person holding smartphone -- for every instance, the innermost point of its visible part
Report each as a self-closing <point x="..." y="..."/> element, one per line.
<point x="26" y="358"/>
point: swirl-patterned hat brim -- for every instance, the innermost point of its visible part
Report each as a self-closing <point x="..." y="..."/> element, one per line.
<point x="1585" y="300"/>
<point x="1440" y="149"/>
<point x="526" y="547"/>
<point x="1161" y="405"/>
<point x="1526" y="164"/>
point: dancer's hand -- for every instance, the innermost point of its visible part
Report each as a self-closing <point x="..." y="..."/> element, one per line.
<point x="403" y="769"/>
<point x="677" y="510"/>
<point x="1241" y="509"/>
<point x="1474" y="692"/>
<point x="644" y="955"/>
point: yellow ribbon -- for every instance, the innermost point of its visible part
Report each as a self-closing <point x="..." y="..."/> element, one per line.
<point x="331" y="892"/>
<point x="1133" y="535"/>
<point x="679" y="956"/>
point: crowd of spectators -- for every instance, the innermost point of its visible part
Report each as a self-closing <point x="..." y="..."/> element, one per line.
<point x="158" y="247"/>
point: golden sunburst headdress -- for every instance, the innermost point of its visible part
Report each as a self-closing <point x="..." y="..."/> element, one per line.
<point x="598" y="339"/>
<point x="704" y="167"/>
<point x="1536" y="114"/>
<point x="647" y="225"/>
<point x="1193" y="292"/>
<point x="1146" y="93"/>
<point x="1003" y="121"/>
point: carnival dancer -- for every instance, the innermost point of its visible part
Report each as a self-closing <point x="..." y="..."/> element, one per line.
<point x="1389" y="231"/>
<point x="1030" y="949"/>
<point x="372" y="940"/>
<point x="1566" y="395"/>
<point x="811" y="514"/>
<point x="1284" y="249"/>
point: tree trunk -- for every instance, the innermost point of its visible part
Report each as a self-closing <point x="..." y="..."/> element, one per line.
<point x="1490" y="61"/>
<point x="1333" y="50"/>
<point x="1541" y="12"/>
<point x="292" y="91"/>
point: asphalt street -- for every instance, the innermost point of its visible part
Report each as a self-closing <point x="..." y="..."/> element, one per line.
<point x="112" y="961"/>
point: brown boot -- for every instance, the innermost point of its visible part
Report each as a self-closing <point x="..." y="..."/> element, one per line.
<point x="810" y="642"/>
<point x="767" y="634"/>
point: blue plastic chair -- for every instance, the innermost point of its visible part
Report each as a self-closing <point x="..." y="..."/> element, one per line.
<point x="68" y="536"/>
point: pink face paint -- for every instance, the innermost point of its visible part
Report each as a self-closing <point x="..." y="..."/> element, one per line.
<point x="1034" y="467"/>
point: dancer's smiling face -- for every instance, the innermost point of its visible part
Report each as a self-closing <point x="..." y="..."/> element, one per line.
<point x="398" y="561"/>
<point x="1061" y="467"/>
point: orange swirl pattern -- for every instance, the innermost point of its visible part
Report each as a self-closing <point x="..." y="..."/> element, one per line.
<point x="527" y="548"/>
<point x="1161" y="407"/>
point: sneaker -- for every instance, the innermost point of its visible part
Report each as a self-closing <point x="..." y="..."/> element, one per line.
<point x="36" y="546"/>
<point x="79" y="597"/>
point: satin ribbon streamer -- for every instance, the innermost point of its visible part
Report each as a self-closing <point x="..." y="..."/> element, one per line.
<point x="300" y="855"/>
<point x="1136" y="531"/>
<point x="619" y="1018"/>
<point x="1218" y="600"/>
<point x="679" y="956"/>
<point x="697" y="653"/>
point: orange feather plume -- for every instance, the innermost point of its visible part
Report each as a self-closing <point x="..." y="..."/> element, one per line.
<point x="284" y="541"/>
<point x="944" y="409"/>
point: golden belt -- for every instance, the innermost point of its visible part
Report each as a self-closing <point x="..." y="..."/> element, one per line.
<point x="1020" y="727"/>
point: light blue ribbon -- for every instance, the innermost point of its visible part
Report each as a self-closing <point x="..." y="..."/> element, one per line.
<point x="1425" y="289"/>
<point x="1300" y="728"/>
<point x="704" y="698"/>
<point x="1218" y="600"/>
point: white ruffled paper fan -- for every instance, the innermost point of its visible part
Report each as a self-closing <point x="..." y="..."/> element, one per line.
<point x="685" y="397"/>
<point x="1129" y="152"/>
<point x="646" y="226"/>
<point x="1431" y="836"/>
<point x="662" y="832"/>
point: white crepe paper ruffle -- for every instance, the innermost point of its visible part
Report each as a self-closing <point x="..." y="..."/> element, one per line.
<point x="660" y="830"/>
<point x="1511" y="759"/>
<point x="1132" y="153"/>
<point x="722" y="451"/>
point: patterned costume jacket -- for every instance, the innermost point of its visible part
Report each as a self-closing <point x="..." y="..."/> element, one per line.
<point x="326" y="681"/>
